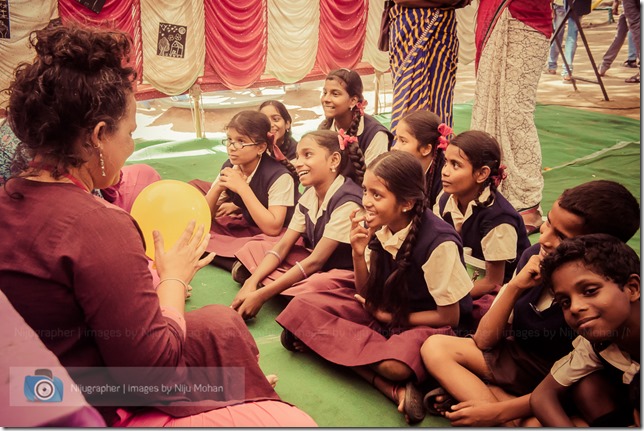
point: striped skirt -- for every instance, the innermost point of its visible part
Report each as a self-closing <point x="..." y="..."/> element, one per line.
<point x="423" y="54"/>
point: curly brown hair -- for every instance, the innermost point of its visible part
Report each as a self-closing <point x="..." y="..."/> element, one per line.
<point x="78" y="79"/>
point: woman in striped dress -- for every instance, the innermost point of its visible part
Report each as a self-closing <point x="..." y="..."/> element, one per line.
<point x="423" y="55"/>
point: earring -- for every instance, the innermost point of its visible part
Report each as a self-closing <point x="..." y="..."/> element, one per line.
<point x="100" y="156"/>
<point x="405" y="210"/>
<point x="333" y="169"/>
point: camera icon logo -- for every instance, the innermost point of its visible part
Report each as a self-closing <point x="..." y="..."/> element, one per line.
<point x="43" y="387"/>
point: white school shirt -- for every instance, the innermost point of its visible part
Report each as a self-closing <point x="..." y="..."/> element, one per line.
<point x="339" y="226"/>
<point x="583" y="360"/>
<point x="499" y="244"/>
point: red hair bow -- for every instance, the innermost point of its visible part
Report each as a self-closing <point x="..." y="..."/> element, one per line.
<point x="361" y="105"/>
<point x="445" y="131"/>
<point x="500" y="176"/>
<point x="344" y="139"/>
<point x="277" y="153"/>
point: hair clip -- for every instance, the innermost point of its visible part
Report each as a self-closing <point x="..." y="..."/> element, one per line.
<point x="444" y="131"/>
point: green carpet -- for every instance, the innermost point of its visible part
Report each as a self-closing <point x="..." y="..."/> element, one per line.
<point x="578" y="146"/>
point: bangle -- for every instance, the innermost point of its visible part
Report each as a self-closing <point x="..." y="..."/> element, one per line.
<point x="274" y="253"/>
<point x="185" y="285"/>
<point x="299" y="265"/>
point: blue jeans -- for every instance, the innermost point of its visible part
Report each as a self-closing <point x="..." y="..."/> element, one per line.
<point x="571" y="40"/>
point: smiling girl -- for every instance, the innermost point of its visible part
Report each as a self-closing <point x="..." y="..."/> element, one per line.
<point x="421" y="133"/>
<point x="331" y="167"/>
<point x="487" y="223"/>
<point x="343" y="106"/>
<point x="280" y="126"/>
<point x="254" y="193"/>
<point x="410" y="283"/>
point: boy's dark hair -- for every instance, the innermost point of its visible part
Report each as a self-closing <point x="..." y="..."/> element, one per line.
<point x="605" y="207"/>
<point x="403" y="176"/>
<point x="603" y="254"/>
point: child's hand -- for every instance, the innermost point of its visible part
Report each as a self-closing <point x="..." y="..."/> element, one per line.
<point x="359" y="235"/>
<point x="228" y="209"/>
<point x="248" y="288"/>
<point x="473" y="413"/>
<point x="378" y="314"/>
<point x="530" y="275"/>
<point x="251" y="305"/>
<point x="233" y="179"/>
<point x="183" y="260"/>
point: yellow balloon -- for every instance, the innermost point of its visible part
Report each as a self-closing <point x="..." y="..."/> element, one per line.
<point x="168" y="206"/>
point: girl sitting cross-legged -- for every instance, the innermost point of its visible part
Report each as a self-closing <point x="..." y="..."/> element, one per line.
<point x="331" y="167"/>
<point x="410" y="283"/>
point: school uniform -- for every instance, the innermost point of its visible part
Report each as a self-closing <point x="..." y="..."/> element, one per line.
<point x="272" y="184"/>
<point x="493" y="233"/>
<point x="373" y="138"/>
<point x="337" y="327"/>
<point x="314" y="221"/>
<point x="537" y="336"/>
<point x="617" y="366"/>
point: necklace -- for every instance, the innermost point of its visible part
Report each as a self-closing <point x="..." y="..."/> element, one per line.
<point x="49" y="168"/>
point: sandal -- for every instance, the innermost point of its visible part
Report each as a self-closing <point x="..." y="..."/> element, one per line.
<point x="437" y="409"/>
<point x="633" y="79"/>
<point x="531" y="228"/>
<point x="288" y="340"/>
<point x="413" y="404"/>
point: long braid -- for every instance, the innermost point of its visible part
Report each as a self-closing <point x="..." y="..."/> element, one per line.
<point x="356" y="161"/>
<point x="439" y="159"/>
<point x="355" y="122"/>
<point x="270" y="141"/>
<point x="396" y="287"/>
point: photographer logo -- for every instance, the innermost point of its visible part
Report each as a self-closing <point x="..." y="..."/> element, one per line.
<point x="43" y="387"/>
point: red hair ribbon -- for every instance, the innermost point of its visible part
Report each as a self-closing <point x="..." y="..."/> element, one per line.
<point x="361" y="105"/>
<point x="344" y="139"/>
<point x="277" y="153"/>
<point x="500" y="176"/>
<point x="445" y="131"/>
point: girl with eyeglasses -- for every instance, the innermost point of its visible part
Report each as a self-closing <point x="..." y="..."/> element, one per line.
<point x="255" y="191"/>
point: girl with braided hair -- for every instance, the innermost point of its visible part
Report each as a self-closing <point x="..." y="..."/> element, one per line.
<point x="255" y="191"/>
<point x="420" y="133"/>
<point x="331" y="166"/>
<point x="343" y="105"/>
<point x="485" y="220"/>
<point x="410" y="283"/>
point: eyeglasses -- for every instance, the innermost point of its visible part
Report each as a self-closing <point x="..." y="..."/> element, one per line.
<point x="238" y="145"/>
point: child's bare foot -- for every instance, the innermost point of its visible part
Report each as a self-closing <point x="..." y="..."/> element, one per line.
<point x="272" y="379"/>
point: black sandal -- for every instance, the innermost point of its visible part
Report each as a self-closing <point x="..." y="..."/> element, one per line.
<point x="437" y="409"/>
<point x="633" y="79"/>
<point x="288" y="340"/>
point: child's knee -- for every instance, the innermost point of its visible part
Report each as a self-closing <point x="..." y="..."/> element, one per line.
<point x="437" y="348"/>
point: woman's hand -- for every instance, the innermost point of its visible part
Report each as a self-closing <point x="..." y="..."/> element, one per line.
<point x="228" y="209"/>
<point x="183" y="260"/>
<point x="474" y="413"/>
<point x="248" y="288"/>
<point x="359" y="235"/>
<point x="233" y="179"/>
<point x="380" y="315"/>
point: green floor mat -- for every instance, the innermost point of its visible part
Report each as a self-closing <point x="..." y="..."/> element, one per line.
<point x="578" y="146"/>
